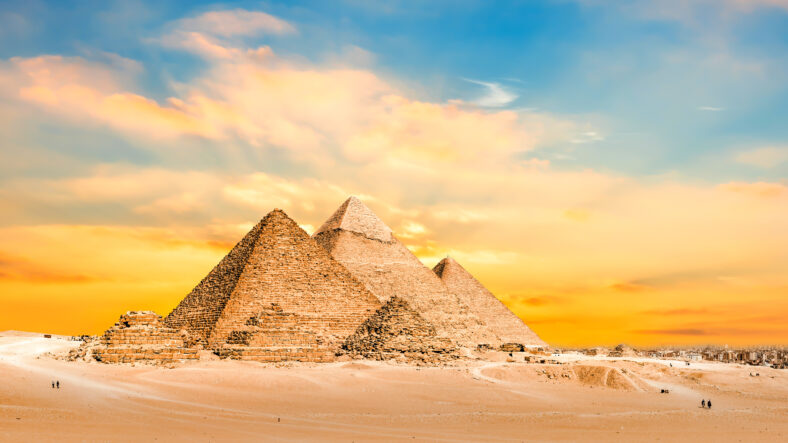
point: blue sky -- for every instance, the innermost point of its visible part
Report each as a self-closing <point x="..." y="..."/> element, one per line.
<point x="670" y="92"/>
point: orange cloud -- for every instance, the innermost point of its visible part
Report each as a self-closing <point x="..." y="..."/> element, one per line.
<point x="630" y="287"/>
<point x="761" y="189"/>
<point x="268" y="101"/>
<point x="235" y="22"/>
<point x="19" y="269"/>
<point x="767" y="157"/>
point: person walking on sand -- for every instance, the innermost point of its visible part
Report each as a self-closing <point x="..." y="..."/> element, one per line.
<point x="53" y="385"/>
<point x="58" y="384"/>
<point x="703" y="403"/>
<point x="709" y="404"/>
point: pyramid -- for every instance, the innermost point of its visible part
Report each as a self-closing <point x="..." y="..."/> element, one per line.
<point x="397" y="330"/>
<point x="503" y="322"/>
<point x="277" y="295"/>
<point x="359" y="240"/>
<point x="140" y="336"/>
<point x="355" y="216"/>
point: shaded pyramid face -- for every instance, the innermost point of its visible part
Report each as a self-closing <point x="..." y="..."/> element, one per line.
<point x="503" y="322"/>
<point x="397" y="330"/>
<point x="277" y="295"/>
<point x="359" y="240"/>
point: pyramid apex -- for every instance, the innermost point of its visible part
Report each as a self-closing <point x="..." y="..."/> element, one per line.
<point x="276" y="213"/>
<point x="447" y="262"/>
<point x="354" y="216"/>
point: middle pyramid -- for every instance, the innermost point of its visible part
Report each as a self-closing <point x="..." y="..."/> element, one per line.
<point x="359" y="240"/>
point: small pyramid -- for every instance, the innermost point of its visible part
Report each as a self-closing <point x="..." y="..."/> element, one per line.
<point x="140" y="336"/>
<point x="355" y="216"/>
<point x="498" y="318"/>
<point x="277" y="295"/>
<point x="396" y="330"/>
<point x="366" y="247"/>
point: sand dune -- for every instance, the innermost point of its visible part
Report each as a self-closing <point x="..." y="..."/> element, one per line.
<point x="583" y="399"/>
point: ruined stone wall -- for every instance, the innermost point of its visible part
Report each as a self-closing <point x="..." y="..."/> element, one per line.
<point x="497" y="317"/>
<point x="142" y="337"/>
<point x="292" y="300"/>
<point x="389" y="269"/>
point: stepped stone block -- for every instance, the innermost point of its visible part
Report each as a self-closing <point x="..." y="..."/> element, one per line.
<point x="141" y="336"/>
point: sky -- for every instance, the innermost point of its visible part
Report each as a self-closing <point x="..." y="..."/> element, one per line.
<point x="615" y="172"/>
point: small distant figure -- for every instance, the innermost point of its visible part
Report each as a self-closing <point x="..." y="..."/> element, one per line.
<point x="671" y="365"/>
<point x="703" y="403"/>
<point x="58" y="384"/>
<point x="53" y="385"/>
<point x="709" y="404"/>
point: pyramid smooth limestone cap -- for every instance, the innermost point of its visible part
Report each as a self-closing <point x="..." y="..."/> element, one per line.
<point x="445" y="264"/>
<point x="354" y="216"/>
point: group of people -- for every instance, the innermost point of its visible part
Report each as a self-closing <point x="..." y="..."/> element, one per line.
<point x="705" y="403"/>
<point x="56" y="384"/>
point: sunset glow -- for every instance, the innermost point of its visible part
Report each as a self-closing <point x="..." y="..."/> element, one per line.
<point x="606" y="189"/>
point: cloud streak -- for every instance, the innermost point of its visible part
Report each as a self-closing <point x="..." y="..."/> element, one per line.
<point x="766" y="157"/>
<point x="497" y="96"/>
<point x="235" y="22"/>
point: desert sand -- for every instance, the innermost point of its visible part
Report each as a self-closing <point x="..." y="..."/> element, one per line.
<point x="581" y="399"/>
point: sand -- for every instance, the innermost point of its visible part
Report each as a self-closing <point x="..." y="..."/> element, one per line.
<point x="582" y="399"/>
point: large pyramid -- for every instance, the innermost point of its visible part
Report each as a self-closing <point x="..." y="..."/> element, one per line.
<point x="359" y="240"/>
<point x="277" y="295"/>
<point x="503" y="322"/>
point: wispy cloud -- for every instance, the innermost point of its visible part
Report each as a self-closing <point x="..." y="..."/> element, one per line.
<point x="496" y="95"/>
<point x="20" y="269"/>
<point x="761" y="189"/>
<point x="586" y="137"/>
<point x="710" y="108"/>
<point x="678" y="311"/>
<point x="236" y="22"/>
<point x="676" y="331"/>
<point x="209" y="34"/>
<point x="767" y="157"/>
